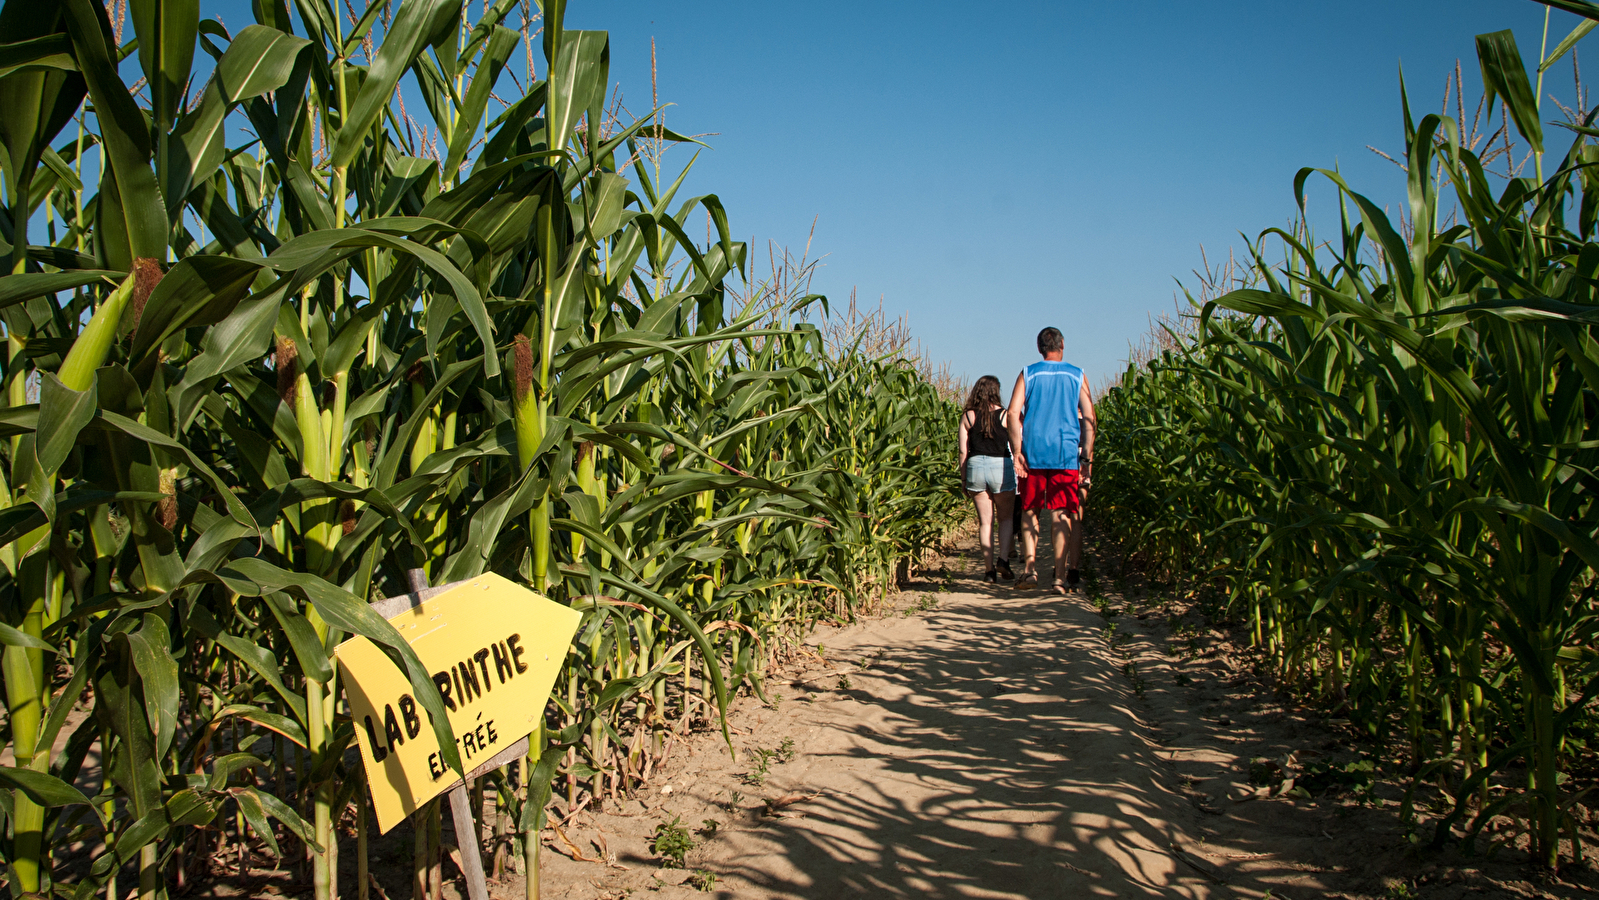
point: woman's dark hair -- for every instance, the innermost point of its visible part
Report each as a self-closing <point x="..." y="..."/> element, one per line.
<point x="984" y="396"/>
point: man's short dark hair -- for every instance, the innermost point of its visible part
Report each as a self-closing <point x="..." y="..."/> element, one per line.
<point x="1050" y="340"/>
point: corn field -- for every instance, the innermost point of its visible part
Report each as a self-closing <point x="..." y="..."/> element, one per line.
<point x="1381" y="452"/>
<point x="275" y="343"/>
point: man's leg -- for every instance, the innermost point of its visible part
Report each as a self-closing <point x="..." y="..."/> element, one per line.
<point x="1030" y="542"/>
<point x="1060" y="524"/>
<point x="1075" y="550"/>
<point x="1002" y="522"/>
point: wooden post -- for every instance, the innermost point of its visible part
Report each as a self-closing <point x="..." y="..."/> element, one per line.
<point x="468" y="842"/>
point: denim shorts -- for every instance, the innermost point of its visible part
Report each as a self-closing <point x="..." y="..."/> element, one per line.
<point x="994" y="474"/>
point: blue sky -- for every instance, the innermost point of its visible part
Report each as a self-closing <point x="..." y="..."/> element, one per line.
<point x="988" y="170"/>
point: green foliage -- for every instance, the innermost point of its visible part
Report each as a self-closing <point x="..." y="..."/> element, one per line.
<point x="756" y="776"/>
<point x="279" y="344"/>
<point x="1358" y="776"/>
<point x="672" y="842"/>
<point x="1264" y="772"/>
<point x="1380" y="456"/>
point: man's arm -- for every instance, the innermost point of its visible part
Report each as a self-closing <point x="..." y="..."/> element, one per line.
<point x="1013" y="423"/>
<point x="1090" y="425"/>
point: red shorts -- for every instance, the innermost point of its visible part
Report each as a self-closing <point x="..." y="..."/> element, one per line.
<point x="1052" y="489"/>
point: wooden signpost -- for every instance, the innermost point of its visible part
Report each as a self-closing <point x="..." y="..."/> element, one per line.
<point x="494" y="649"/>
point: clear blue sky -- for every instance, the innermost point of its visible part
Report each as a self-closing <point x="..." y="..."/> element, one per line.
<point x="992" y="169"/>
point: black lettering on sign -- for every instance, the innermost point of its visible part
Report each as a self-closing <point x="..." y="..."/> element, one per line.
<point x="455" y="672"/>
<point x="380" y="750"/>
<point x="493" y="737"/>
<point x="391" y="728"/>
<point x="482" y="659"/>
<point x="502" y="663"/>
<point x="435" y="768"/>
<point x="442" y="679"/>
<point x="413" y="724"/>
<point x="469" y="744"/>
<point x="471" y="689"/>
<point x="516" y="652"/>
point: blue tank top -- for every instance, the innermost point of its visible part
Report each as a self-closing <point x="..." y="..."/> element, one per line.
<point x="1050" y="426"/>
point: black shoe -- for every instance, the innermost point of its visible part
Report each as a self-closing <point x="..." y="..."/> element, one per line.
<point x="1073" y="580"/>
<point x="990" y="577"/>
<point x="1005" y="573"/>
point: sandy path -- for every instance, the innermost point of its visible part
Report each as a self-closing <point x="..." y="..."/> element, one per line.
<point x="992" y="750"/>
<point x="987" y="747"/>
<point x="991" y="744"/>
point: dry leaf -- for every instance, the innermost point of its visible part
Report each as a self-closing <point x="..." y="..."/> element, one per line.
<point x="571" y="848"/>
<point x="787" y="800"/>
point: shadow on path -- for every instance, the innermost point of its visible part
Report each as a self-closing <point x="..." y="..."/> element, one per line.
<point x="991" y="749"/>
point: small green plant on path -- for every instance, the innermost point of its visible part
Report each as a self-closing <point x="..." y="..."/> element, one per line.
<point x="703" y="880"/>
<point x="672" y="843"/>
<point x="756" y="776"/>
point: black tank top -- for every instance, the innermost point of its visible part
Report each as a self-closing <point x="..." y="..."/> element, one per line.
<point x="997" y="445"/>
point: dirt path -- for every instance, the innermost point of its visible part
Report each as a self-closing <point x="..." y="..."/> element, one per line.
<point x="1010" y="745"/>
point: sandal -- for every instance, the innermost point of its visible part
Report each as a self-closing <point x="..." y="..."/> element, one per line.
<point x="1027" y="580"/>
<point x="1059" y="587"/>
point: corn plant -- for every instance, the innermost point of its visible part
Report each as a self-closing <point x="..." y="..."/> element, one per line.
<point x="1383" y="452"/>
<point x="276" y="346"/>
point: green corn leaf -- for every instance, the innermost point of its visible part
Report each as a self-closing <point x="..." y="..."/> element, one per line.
<point x="45" y="790"/>
<point x="255" y="577"/>
<point x="289" y="728"/>
<point x="259" y="60"/>
<point x="42" y="53"/>
<point x="413" y="27"/>
<point x="302" y="636"/>
<point x="1564" y="47"/>
<point x="63" y="413"/>
<point x="124" y="131"/>
<point x="151" y="651"/>
<point x="1504" y="75"/>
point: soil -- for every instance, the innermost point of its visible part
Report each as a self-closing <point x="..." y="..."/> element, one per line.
<point x="977" y="741"/>
<point x="1016" y="744"/>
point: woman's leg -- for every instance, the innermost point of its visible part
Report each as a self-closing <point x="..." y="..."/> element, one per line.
<point x="1002" y="512"/>
<point x="985" y="526"/>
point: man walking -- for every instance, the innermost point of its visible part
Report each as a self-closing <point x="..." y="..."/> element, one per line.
<point x="1051" y="423"/>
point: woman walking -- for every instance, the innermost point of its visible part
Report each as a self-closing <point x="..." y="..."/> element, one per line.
<point x="986" y="470"/>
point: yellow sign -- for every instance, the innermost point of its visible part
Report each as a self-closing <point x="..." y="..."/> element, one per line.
<point x="494" y="649"/>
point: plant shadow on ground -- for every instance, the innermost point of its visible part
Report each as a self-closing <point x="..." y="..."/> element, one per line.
<point x="998" y="745"/>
